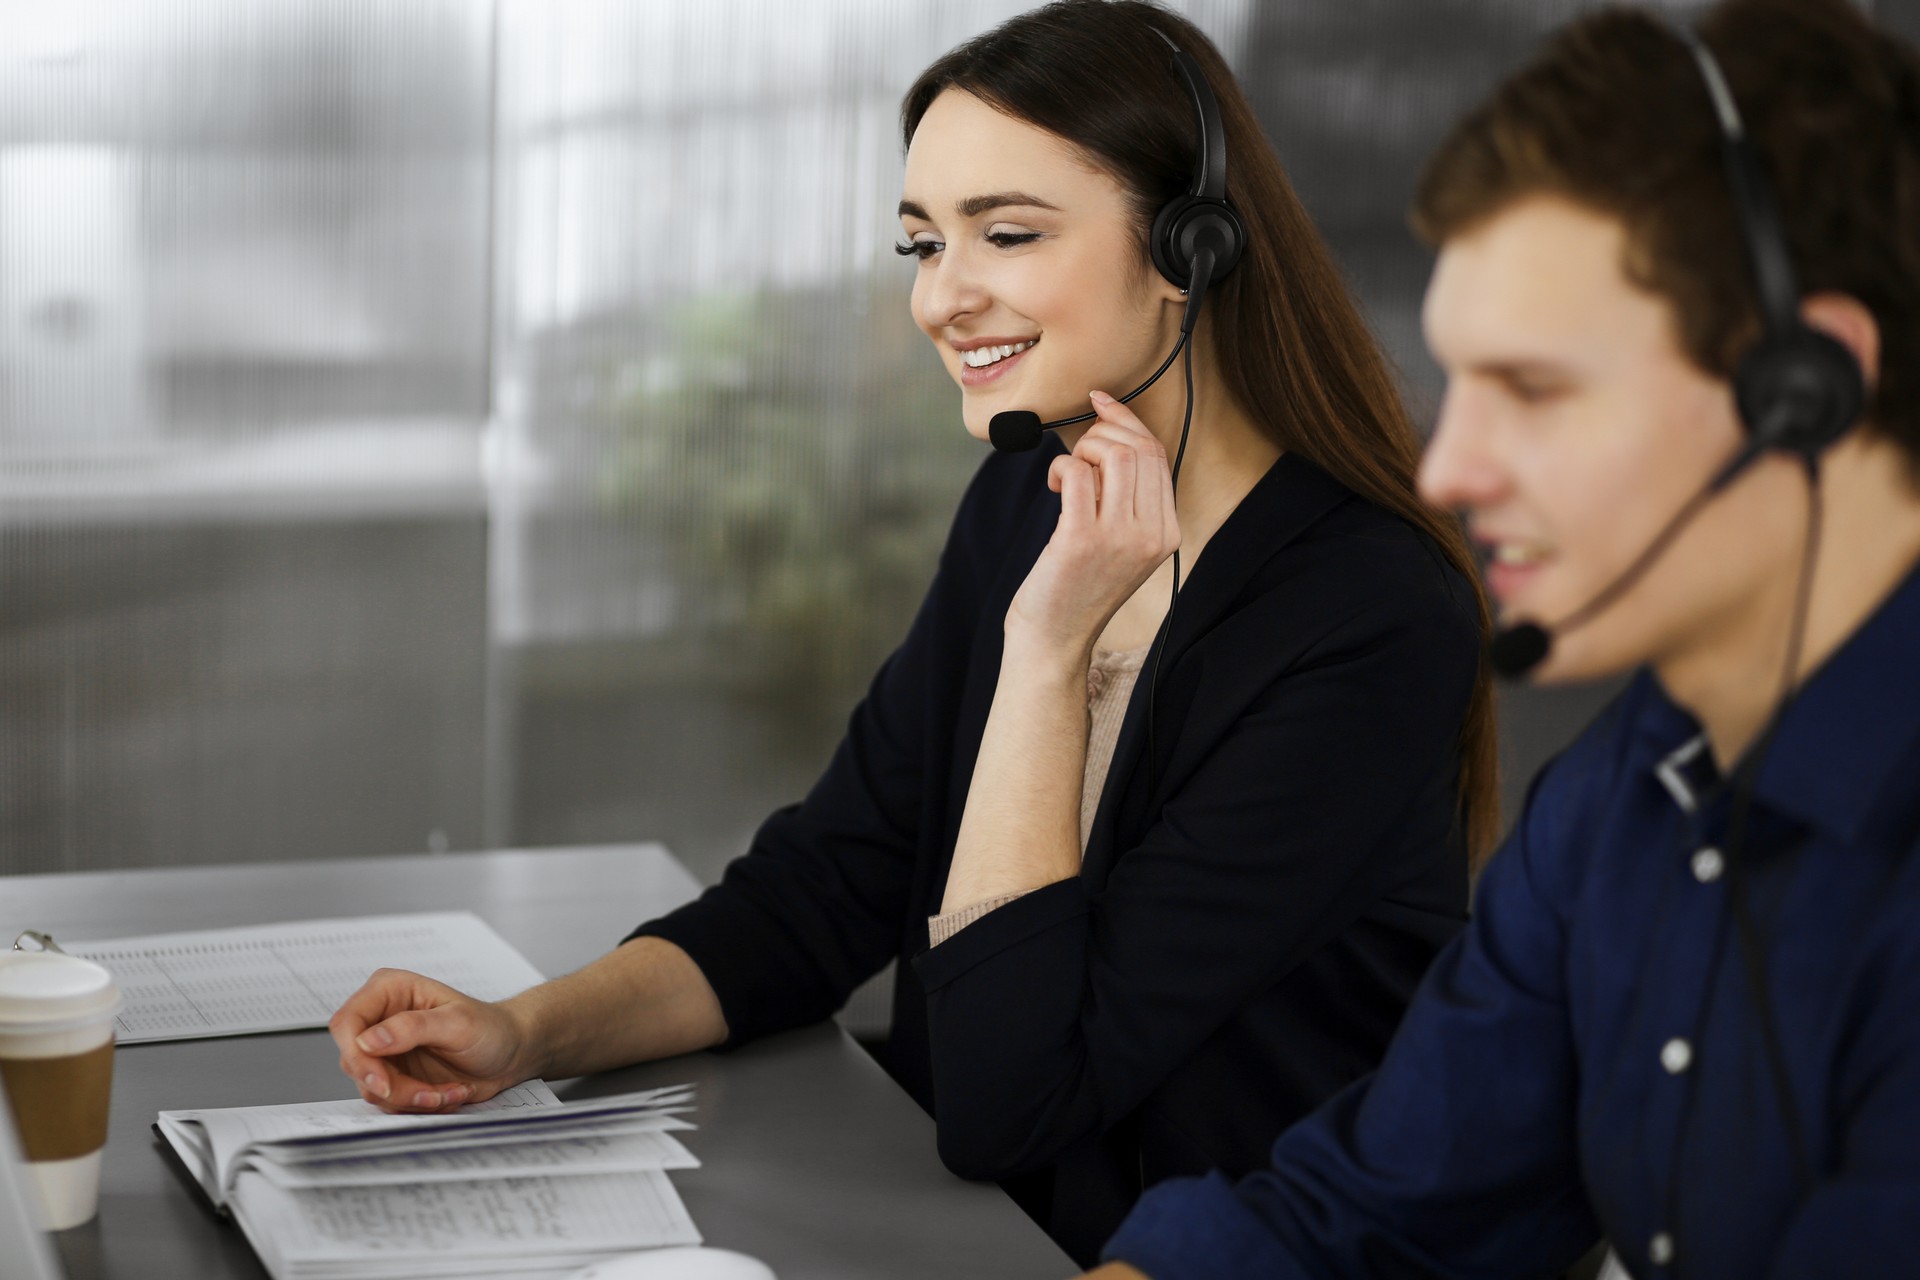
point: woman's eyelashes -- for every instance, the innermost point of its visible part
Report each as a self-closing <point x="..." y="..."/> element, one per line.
<point x="925" y="249"/>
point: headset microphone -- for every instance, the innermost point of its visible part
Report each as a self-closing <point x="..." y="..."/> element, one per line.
<point x="1518" y="649"/>
<point x="1018" y="430"/>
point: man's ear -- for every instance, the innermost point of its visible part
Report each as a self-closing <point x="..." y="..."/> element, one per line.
<point x="1846" y="319"/>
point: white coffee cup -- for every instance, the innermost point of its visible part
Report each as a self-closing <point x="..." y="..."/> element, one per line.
<point x="56" y="1060"/>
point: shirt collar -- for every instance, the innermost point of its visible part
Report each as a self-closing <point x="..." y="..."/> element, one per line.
<point x="1855" y="723"/>
<point x="1688" y="772"/>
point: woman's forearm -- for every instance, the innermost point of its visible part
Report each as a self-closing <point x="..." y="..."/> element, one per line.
<point x="1021" y="828"/>
<point x="645" y="999"/>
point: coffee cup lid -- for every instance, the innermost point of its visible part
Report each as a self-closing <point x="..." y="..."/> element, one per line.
<point x="39" y="987"/>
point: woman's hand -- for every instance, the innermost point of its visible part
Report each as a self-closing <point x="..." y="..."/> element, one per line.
<point x="1117" y="524"/>
<point x="413" y="1044"/>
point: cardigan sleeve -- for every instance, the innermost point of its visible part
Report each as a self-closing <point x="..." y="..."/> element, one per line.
<point x="818" y="903"/>
<point x="1053" y="1017"/>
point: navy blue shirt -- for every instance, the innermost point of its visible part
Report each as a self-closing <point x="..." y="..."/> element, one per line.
<point x="1589" y="1056"/>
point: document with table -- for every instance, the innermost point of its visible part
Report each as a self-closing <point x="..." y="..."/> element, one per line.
<point x="288" y="977"/>
<point x="522" y="1184"/>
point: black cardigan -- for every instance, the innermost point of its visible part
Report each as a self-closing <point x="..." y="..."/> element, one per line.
<point x="1240" y="942"/>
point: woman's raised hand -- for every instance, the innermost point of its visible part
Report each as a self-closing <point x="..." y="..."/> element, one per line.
<point x="1117" y="524"/>
<point x="413" y="1044"/>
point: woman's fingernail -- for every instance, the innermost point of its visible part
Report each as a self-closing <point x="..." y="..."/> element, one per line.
<point x="458" y="1094"/>
<point x="426" y="1098"/>
<point x="376" y="1084"/>
<point x="374" y="1039"/>
<point x="1100" y="397"/>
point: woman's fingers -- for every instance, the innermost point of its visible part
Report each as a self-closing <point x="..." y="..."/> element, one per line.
<point x="403" y="1091"/>
<point x="1114" y="413"/>
<point x="1117" y="468"/>
<point x="418" y="1080"/>
<point x="1132" y="466"/>
<point x="1078" y="490"/>
<point x="386" y="992"/>
<point x="390" y="1033"/>
<point x="431" y="1029"/>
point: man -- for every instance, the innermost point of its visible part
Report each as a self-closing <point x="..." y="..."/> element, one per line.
<point x="1684" y="1012"/>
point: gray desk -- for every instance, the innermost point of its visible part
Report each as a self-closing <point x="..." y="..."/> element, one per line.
<point x="815" y="1161"/>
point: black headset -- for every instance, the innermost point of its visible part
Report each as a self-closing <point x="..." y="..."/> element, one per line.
<point x="1797" y="390"/>
<point x="1201" y="218"/>
<point x="1196" y="239"/>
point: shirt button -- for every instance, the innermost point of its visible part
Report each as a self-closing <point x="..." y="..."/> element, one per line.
<point x="1660" y="1249"/>
<point x="1676" y="1055"/>
<point x="1708" y="864"/>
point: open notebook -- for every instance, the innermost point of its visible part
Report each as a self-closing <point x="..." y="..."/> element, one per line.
<point x="521" y="1185"/>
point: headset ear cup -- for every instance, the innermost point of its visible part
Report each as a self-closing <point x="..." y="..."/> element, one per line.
<point x="1160" y="242"/>
<point x="1799" y="391"/>
<point x="1178" y="228"/>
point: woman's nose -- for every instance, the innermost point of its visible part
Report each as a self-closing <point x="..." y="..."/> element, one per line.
<point x="950" y="292"/>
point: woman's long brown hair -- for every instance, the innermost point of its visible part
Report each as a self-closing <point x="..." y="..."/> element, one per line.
<point x="1290" y="344"/>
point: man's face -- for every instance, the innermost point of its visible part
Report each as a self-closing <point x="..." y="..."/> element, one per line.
<point x="1574" y="428"/>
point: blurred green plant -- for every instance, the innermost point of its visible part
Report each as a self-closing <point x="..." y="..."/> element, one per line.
<point x="797" y="457"/>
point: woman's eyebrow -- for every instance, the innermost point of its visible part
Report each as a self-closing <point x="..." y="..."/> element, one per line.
<point x="974" y="206"/>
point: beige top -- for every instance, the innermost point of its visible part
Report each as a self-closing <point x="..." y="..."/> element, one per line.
<point x="1110" y="680"/>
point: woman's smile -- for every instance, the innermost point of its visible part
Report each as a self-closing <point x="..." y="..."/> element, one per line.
<point x="986" y="360"/>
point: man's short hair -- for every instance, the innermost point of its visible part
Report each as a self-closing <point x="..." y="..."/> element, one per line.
<point x="1614" y="115"/>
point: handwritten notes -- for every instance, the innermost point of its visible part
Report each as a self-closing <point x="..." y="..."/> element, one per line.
<point x="520" y="1185"/>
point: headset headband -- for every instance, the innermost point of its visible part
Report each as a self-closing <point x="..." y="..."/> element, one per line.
<point x="1210" y="157"/>
<point x="1760" y="224"/>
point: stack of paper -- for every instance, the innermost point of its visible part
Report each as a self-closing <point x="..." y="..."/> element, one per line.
<point x="521" y="1185"/>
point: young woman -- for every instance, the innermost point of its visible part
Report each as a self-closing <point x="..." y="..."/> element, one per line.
<point x="1162" y="884"/>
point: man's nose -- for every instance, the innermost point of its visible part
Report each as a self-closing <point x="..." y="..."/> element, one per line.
<point x="1461" y="466"/>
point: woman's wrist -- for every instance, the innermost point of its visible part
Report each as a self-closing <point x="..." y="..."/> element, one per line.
<point x="530" y="1037"/>
<point x="1030" y="652"/>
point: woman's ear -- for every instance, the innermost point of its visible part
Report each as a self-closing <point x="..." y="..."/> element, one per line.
<point x="1162" y="289"/>
<point x="1846" y="319"/>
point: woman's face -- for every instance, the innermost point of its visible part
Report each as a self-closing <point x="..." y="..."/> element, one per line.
<point x="1032" y="281"/>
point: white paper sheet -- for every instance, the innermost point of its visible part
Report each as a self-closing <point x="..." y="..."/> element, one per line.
<point x="218" y="1144"/>
<point x="566" y="1157"/>
<point x="212" y="1141"/>
<point x="459" y="1229"/>
<point x="285" y="977"/>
